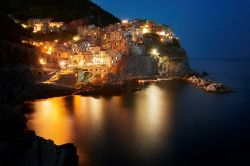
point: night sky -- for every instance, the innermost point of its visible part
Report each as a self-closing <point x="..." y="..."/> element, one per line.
<point x="207" y="29"/>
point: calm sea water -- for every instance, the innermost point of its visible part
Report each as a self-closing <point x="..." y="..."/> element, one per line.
<point x="169" y="123"/>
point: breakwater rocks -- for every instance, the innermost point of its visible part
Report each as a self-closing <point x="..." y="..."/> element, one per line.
<point x="19" y="146"/>
<point x="208" y="85"/>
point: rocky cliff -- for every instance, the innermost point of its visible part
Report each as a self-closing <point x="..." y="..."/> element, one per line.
<point x="138" y="65"/>
<point x="172" y="61"/>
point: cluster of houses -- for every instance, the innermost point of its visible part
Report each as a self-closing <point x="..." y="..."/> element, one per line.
<point x="45" y="25"/>
<point x="96" y="49"/>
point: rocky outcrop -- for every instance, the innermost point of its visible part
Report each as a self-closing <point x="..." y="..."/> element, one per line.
<point x="208" y="85"/>
<point x="19" y="146"/>
<point x="45" y="153"/>
<point x="39" y="152"/>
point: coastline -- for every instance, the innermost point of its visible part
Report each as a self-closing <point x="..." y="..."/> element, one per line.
<point x="44" y="91"/>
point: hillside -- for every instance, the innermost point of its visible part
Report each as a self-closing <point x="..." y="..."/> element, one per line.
<point x="10" y="31"/>
<point x="61" y="10"/>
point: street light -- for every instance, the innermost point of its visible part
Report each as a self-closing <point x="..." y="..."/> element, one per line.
<point x="162" y="33"/>
<point x="124" y="21"/>
<point x="81" y="63"/>
<point x="76" y="38"/>
<point x="154" y="51"/>
<point x="145" y="30"/>
<point x="42" y="61"/>
<point x="62" y="64"/>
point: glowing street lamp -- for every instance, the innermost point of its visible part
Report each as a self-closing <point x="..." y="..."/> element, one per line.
<point x="124" y="21"/>
<point x="155" y="52"/>
<point x="81" y="63"/>
<point x="76" y="38"/>
<point x="162" y="33"/>
<point x="24" y="26"/>
<point x="62" y="64"/>
<point x="49" y="51"/>
<point x="42" y="61"/>
<point x="145" y="30"/>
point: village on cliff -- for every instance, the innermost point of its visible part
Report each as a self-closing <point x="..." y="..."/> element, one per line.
<point x="138" y="50"/>
<point x="99" y="51"/>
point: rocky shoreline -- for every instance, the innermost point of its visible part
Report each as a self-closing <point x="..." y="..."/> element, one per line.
<point x="19" y="146"/>
<point x="118" y="87"/>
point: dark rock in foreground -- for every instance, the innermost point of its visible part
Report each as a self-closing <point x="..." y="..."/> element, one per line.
<point x="46" y="153"/>
<point x="22" y="147"/>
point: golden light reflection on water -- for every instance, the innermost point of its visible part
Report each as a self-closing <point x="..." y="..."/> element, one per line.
<point x="51" y="120"/>
<point x="142" y="117"/>
<point x="88" y="112"/>
<point x="153" y="108"/>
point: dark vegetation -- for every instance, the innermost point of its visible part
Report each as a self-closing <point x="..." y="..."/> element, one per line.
<point x="59" y="10"/>
<point x="51" y="36"/>
<point x="152" y="40"/>
<point x="10" y="30"/>
<point x="12" y="52"/>
<point x="15" y="61"/>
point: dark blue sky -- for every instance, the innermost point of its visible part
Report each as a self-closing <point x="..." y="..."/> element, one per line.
<point x="207" y="28"/>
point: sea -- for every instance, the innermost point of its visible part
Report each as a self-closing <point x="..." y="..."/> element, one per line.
<point x="169" y="123"/>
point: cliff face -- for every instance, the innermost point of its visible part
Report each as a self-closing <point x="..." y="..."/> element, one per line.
<point x="171" y="61"/>
<point x="61" y="10"/>
<point x="137" y="65"/>
<point x="174" y="63"/>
